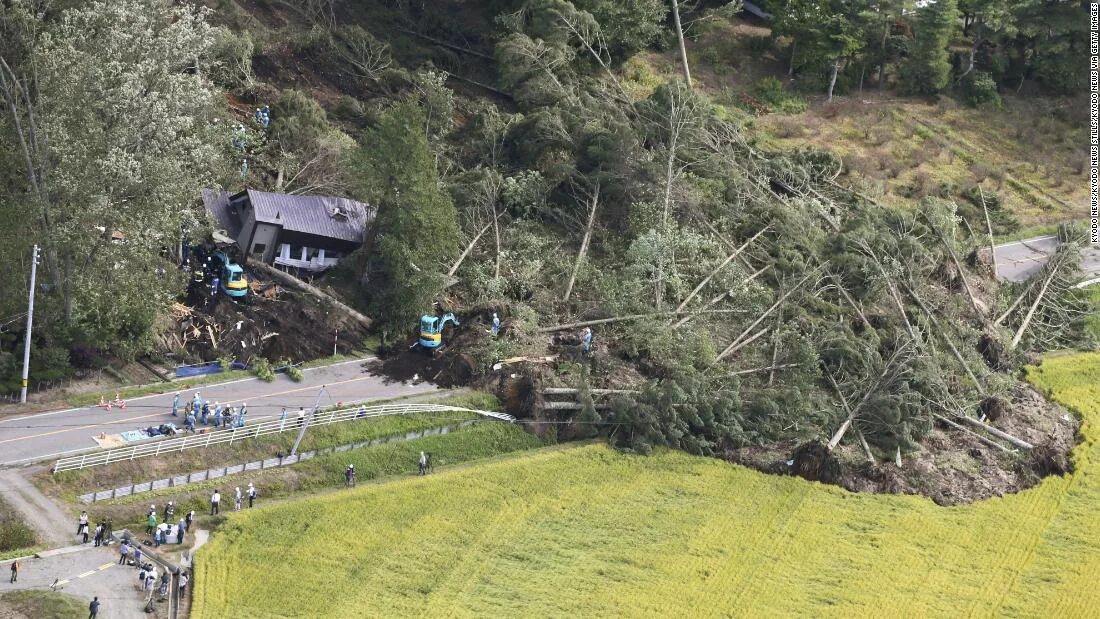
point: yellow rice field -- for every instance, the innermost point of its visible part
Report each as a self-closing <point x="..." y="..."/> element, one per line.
<point x="589" y="532"/>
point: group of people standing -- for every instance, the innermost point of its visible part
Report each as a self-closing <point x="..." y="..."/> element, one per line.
<point x="199" y="410"/>
<point x="102" y="533"/>
<point x="216" y="498"/>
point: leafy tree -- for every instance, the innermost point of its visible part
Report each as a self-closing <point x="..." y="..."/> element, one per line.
<point x="120" y="89"/>
<point x="927" y="69"/>
<point x="415" y="231"/>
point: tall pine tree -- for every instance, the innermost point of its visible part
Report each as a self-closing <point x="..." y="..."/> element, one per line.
<point x="927" y="69"/>
<point x="415" y="231"/>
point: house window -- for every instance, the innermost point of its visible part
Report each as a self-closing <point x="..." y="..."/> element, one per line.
<point x="312" y="253"/>
<point x="284" y="250"/>
<point x="258" y="250"/>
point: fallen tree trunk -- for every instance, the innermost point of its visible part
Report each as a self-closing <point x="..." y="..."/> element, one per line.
<point x="584" y="243"/>
<point x="989" y="230"/>
<point x="1022" y="444"/>
<point x="769" y="368"/>
<point x="293" y="282"/>
<point x="950" y="344"/>
<point x="469" y="247"/>
<point x="971" y="433"/>
<point x="716" y="299"/>
<point x="706" y="280"/>
<point x="604" y="321"/>
<point x="729" y="349"/>
<point x="738" y="346"/>
<point x="1031" y="311"/>
<point x="571" y="391"/>
<point x="1015" y="304"/>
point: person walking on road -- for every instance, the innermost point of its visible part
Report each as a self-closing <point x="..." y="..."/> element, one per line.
<point x="176" y="405"/>
<point x="164" y="583"/>
<point x="183" y="583"/>
<point x="137" y="556"/>
<point x="84" y="533"/>
<point x="251" y="494"/>
<point x="98" y="539"/>
<point x="93" y="608"/>
<point x="215" y="502"/>
<point x="81" y="522"/>
<point x="123" y="553"/>
<point x="14" y="571"/>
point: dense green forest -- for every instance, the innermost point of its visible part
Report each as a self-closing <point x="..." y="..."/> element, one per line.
<point x="776" y="300"/>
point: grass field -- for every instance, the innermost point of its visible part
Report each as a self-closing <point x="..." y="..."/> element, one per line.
<point x="41" y="604"/>
<point x="586" y="531"/>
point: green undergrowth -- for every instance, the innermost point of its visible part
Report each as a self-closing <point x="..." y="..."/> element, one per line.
<point x="484" y="440"/>
<point x="44" y="604"/>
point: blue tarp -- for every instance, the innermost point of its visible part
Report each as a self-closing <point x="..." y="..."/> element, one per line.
<point x="204" y="369"/>
<point x="198" y="370"/>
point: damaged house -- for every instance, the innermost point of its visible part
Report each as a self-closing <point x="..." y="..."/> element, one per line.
<point x="310" y="233"/>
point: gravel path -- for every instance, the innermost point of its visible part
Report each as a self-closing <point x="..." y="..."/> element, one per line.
<point x="54" y="526"/>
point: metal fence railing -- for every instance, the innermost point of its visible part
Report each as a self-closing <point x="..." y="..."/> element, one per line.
<point x="290" y="423"/>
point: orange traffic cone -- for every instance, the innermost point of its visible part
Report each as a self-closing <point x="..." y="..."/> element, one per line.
<point x="119" y="402"/>
<point x="102" y="402"/>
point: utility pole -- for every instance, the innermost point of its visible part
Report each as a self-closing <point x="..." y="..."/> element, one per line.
<point x="30" y="322"/>
<point x="312" y="414"/>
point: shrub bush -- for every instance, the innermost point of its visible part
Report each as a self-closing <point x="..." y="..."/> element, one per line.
<point x="261" y="367"/>
<point x="979" y="90"/>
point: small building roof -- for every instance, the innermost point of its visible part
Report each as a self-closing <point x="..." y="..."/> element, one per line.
<point x="217" y="203"/>
<point x="337" y="218"/>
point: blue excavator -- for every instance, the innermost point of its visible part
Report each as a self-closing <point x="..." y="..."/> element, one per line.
<point x="431" y="331"/>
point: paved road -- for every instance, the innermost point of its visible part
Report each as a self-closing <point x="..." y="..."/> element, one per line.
<point x="1017" y="262"/>
<point x="92" y="572"/>
<point x="51" y="434"/>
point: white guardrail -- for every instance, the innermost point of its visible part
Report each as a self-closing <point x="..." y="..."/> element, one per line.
<point x="290" y="423"/>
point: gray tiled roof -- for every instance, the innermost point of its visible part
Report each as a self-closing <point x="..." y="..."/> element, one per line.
<point x="217" y="202"/>
<point x="313" y="214"/>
